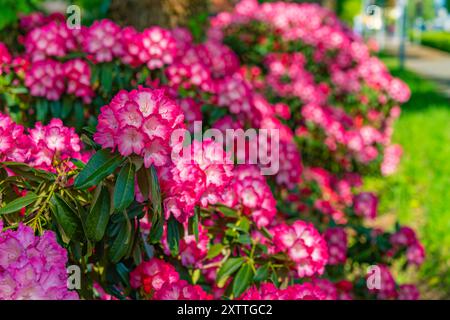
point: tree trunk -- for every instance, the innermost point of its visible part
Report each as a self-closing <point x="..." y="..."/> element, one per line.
<point x="167" y="13"/>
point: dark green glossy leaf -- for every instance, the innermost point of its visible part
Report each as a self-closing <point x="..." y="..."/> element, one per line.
<point x="101" y="165"/>
<point x="228" y="268"/>
<point x="262" y="273"/>
<point x="67" y="219"/>
<point x="121" y="243"/>
<point x="98" y="217"/>
<point x="124" y="188"/>
<point x="143" y="177"/>
<point x="242" y="280"/>
<point x="173" y="235"/>
<point x="42" y="109"/>
<point x="157" y="216"/>
<point x="19" y="203"/>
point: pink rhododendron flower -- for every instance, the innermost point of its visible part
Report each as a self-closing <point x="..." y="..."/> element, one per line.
<point x="54" y="39"/>
<point x="159" y="47"/>
<point x="408" y="292"/>
<point x="328" y="288"/>
<point x="160" y="281"/>
<point x="78" y="75"/>
<point x="268" y="291"/>
<point x="14" y="143"/>
<point x="140" y="122"/>
<point x="336" y="239"/>
<point x="391" y="160"/>
<point x="45" y="78"/>
<point x="251" y="192"/>
<point x="31" y="267"/>
<point x="102" y="40"/>
<point x="5" y="57"/>
<point x="304" y="245"/>
<point x="235" y="94"/>
<point x="182" y="290"/>
<point x="152" y="275"/>
<point x="366" y="205"/>
<point x="387" y="289"/>
<point x="192" y="252"/>
<point x="198" y="177"/>
<point x="406" y="238"/>
<point x="54" y="143"/>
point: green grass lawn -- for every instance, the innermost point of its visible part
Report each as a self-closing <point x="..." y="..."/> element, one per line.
<point x="419" y="193"/>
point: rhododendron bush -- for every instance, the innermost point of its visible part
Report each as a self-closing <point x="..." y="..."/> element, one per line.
<point x="98" y="168"/>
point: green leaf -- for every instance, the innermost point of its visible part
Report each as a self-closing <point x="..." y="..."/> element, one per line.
<point x="155" y="194"/>
<point x="101" y="165"/>
<point x="66" y="109"/>
<point x="56" y="109"/>
<point x="228" y="268"/>
<point x="156" y="230"/>
<point x="106" y="77"/>
<point x="143" y="177"/>
<point x="78" y="163"/>
<point x="226" y="211"/>
<point x="243" y="279"/>
<point x="24" y="170"/>
<point x="42" y="108"/>
<point x="68" y="221"/>
<point x="262" y="273"/>
<point x="173" y="235"/>
<point x="157" y="218"/>
<point x="120" y="244"/>
<point x="124" y="188"/>
<point x="19" y="203"/>
<point x="98" y="217"/>
<point x="194" y="223"/>
<point x="214" y="251"/>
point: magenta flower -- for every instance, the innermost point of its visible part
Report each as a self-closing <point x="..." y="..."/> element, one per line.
<point x="45" y="78"/>
<point x="31" y="267"/>
<point x="140" y="122"/>
<point x="304" y="245"/>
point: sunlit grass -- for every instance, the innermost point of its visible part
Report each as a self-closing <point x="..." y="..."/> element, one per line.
<point x="419" y="193"/>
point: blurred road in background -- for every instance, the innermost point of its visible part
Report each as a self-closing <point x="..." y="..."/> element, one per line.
<point x="430" y="63"/>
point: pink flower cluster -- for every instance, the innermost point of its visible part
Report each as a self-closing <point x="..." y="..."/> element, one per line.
<point x="304" y="245"/>
<point x="54" y="143"/>
<point x="50" y="79"/>
<point x="45" y="78"/>
<point x="365" y="204"/>
<point x="336" y="239"/>
<point x="406" y="238"/>
<point x="251" y="193"/>
<point x="31" y="267"/>
<point x="390" y="290"/>
<point x="140" y="122"/>
<point x="200" y="173"/>
<point x="268" y="291"/>
<point x="102" y="41"/>
<point x="54" y="39"/>
<point x="337" y="112"/>
<point x="159" y="280"/>
<point x="159" y="47"/>
<point x="14" y="143"/>
<point x="335" y="194"/>
<point x="44" y="147"/>
<point x="191" y="252"/>
<point x="5" y="58"/>
<point x="391" y="159"/>
<point x="78" y="79"/>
